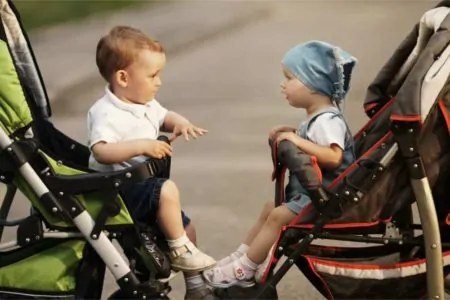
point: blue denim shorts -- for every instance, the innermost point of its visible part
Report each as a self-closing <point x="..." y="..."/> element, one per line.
<point x="298" y="203"/>
<point x="297" y="197"/>
<point x="142" y="200"/>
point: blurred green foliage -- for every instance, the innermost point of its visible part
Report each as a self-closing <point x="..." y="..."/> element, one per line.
<point x="43" y="13"/>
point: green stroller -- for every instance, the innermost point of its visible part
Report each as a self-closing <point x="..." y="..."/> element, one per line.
<point x="65" y="244"/>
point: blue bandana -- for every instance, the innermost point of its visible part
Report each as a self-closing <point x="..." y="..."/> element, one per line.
<point x="322" y="67"/>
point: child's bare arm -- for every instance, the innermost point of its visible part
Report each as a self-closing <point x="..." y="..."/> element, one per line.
<point x="179" y="125"/>
<point x="171" y="120"/>
<point x="328" y="157"/>
<point x="112" y="153"/>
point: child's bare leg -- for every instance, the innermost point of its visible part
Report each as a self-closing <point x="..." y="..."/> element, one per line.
<point x="241" y="271"/>
<point x="268" y="234"/>
<point x="268" y="207"/>
<point x="185" y="256"/>
<point x="191" y="233"/>
<point x="168" y="214"/>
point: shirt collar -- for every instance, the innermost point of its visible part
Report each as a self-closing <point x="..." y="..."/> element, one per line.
<point x="137" y="109"/>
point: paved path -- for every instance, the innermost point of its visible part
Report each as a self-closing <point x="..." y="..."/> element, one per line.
<point x="230" y="85"/>
<point x="67" y="52"/>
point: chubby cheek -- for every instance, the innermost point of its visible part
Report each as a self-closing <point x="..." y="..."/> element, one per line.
<point x="289" y="91"/>
<point x="145" y="86"/>
<point x="295" y="97"/>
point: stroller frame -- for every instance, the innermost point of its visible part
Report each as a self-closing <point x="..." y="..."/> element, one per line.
<point x="405" y="133"/>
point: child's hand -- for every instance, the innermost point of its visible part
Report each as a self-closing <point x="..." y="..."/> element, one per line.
<point x="186" y="129"/>
<point x="289" y="136"/>
<point x="157" y="149"/>
<point x="278" y="129"/>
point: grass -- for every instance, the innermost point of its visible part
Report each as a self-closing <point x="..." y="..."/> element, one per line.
<point x="44" y="13"/>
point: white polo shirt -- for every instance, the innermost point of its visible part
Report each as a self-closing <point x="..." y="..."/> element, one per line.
<point x="113" y="120"/>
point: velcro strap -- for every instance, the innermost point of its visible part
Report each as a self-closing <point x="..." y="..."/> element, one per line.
<point x="189" y="247"/>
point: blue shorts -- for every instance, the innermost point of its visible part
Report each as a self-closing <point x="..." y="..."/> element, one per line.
<point x="297" y="197"/>
<point x="298" y="203"/>
<point x="142" y="200"/>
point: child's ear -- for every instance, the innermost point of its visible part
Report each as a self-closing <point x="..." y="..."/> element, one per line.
<point x="121" y="77"/>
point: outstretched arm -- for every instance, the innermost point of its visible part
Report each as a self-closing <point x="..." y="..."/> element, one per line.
<point x="179" y="125"/>
<point x="172" y="118"/>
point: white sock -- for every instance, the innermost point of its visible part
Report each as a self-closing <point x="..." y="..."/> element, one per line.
<point x="248" y="263"/>
<point x="179" y="242"/>
<point x="194" y="282"/>
<point x="241" y="250"/>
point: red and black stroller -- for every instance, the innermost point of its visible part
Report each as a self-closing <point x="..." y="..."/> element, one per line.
<point x="403" y="159"/>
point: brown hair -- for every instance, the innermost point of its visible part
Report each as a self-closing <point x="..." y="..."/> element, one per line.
<point x="120" y="47"/>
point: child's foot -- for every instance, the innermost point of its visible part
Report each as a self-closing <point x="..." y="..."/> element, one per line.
<point x="189" y="258"/>
<point x="238" y="272"/>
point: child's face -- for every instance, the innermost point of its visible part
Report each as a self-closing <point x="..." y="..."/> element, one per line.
<point x="141" y="80"/>
<point x="297" y="94"/>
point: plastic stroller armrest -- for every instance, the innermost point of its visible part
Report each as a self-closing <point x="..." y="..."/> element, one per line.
<point x="304" y="166"/>
<point x="78" y="184"/>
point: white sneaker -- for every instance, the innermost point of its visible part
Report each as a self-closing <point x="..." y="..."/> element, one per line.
<point x="216" y="277"/>
<point x="228" y="259"/>
<point x="189" y="258"/>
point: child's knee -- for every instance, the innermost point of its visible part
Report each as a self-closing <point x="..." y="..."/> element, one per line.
<point x="280" y="216"/>
<point x="268" y="207"/>
<point x="169" y="190"/>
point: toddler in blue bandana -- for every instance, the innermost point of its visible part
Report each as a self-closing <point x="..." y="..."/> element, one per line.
<point x="317" y="78"/>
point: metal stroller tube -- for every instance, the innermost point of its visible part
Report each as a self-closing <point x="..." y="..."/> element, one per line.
<point x="433" y="247"/>
<point x="406" y="134"/>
